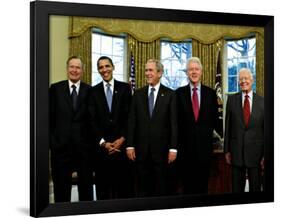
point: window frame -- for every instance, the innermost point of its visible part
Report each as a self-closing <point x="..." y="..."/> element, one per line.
<point x="125" y="61"/>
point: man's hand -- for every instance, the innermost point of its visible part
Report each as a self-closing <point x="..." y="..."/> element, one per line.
<point x="110" y="148"/>
<point x="118" y="143"/>
<point x="172" y="156"/>
<point x="131" y="154"/>
<point x="262" y="164"/>
<point x="228" y="157"/>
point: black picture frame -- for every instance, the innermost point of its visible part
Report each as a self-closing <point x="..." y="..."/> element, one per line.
<point x="39" y="85"/>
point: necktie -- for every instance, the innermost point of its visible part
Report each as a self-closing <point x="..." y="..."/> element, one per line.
<point x="151" y="101"/>
<point x="246" y="110"/>
<point x="195" y="103"/>
<point x="108" y="96"/>
<point x="74" y="97"/>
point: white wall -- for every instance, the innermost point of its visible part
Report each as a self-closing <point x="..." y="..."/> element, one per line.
<point x="59" y="46"/>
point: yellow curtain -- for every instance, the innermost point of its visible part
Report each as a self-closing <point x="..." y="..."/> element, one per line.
<point x="82" y="46"/>
<point x="142" y="51"/>
<point x="148" y="31"/>
<point x="208" y="54"/>
<point x="144" y="43"/>
<point x="260" y="64"/>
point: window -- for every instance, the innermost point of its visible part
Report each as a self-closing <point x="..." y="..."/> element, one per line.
<point x="113" y="47"/>
<point x="174" y="57"/>
<point x="240" y="53"/>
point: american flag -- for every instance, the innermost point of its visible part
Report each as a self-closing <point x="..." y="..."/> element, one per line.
<point x="219" y="96"/>
<point x="132" y="79"/>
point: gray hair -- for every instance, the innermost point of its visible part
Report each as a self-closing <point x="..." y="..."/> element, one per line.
<point x="194" y="60"/>
<point x="159" y="65"/>
<point x="244" y="69"/>
<point x="74" y="57"/>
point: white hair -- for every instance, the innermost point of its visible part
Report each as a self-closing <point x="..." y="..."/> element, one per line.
<point x="194" y="60"/>
<point x="244" y="69"/>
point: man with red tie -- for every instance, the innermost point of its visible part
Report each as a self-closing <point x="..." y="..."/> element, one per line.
<point x="244" y="135"/>
<point x="197" y="118"/>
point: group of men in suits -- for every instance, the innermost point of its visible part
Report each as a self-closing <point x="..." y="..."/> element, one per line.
<point x="133" y="142"/>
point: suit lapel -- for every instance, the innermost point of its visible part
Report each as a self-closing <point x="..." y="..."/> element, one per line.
<point x="115" y="98"/>
<point x="188" y="102"/>
<point x="254" y="106"/>
<point x="240" y="106"/>
<point x="159" y="99"/>
<point x="80" y="95"/>
<point x="145" y="101"/>
<point x="102" y="97"/>
<point x="66" y="93"/>
<point x="203" y="100"/>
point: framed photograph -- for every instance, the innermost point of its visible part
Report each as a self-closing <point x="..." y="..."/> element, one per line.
<point x="59" y="30"/>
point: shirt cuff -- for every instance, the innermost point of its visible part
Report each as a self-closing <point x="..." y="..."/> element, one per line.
<point x="173" y="150"/>
<point x="130" y="148"/>
<point x="102" y="141"/>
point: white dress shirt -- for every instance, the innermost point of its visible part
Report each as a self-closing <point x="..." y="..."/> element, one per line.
<point x="76" y="84"/>
<point x="111" y="82"/>
<point x="250" y="94"/>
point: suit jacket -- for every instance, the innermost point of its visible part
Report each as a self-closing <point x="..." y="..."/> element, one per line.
<point x="103" y="123"/>
<point x="246" y="145"/>
<point x="195" y="138"/>
<point x="66" y="126"/>
<point x="156" y="135"/>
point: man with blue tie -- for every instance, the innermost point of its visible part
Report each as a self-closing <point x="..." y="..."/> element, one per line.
<point x="152" y="132"/>
<point x="197" y="119"/>
<point x="244" y="135"/>
<point x="69" y="148"/>
<point x="108" y="107"/>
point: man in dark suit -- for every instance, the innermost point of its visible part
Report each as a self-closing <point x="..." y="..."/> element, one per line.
<point x="109" y="103"/>
<point x="152" y="132"/>
<point x="197" y="119"/>
<point x="69" y="150"/>
<point x="244" y="135"/>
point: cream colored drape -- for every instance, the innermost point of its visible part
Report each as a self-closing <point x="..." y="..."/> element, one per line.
<point x="82" y="46"/>
<point x="208" y="54"/>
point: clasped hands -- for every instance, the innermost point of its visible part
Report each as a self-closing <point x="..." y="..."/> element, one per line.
<point x="114" y="147"/>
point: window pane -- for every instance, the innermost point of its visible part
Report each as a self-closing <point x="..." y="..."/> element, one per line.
<point x="118" y="46"/>
<point x="232" y="84"/>
<point x="240" y="54"/>
<point x="165" y="51"/>
<point x="106" y="45"/>
<point x="119" y="77"/>
<point x="96" y="42"/>
<point x="113" y="47"/>
<point x="174" y="57"/>
<point x="96" y="78"/>
<point x="118" y="63"/>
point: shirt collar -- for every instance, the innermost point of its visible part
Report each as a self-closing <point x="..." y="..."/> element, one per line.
<point x="77" y="84"/>
<point x="111" y="82"/>
<point x="250" y="94"/>
<point x="157" y="86"/>
<point x="198" y="86"/>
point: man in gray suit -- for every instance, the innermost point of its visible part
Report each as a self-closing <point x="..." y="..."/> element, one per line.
<point x="244" y="135"/>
